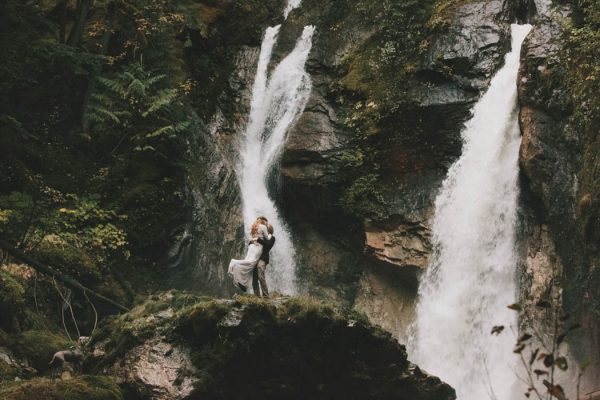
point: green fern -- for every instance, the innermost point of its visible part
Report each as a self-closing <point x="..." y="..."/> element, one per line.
<point x="136" y="98"/>
<point x="163" y="99"/>
<point x="170" y="129"/>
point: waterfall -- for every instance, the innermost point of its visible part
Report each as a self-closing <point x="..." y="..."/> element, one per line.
<point x="291" y="4"/>
<point x="472" y="276"/>
<point x="277" y="101"/>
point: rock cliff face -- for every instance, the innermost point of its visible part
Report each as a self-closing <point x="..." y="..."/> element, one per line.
<point x="412" y="153"/>
<point x="341" y="254"/>
<point x="363" y="163"/>
<point x="557" y="257"/>
<point x="176" y="346"/>
<point x="340" y="251"/>
<point x="222" y="56"/>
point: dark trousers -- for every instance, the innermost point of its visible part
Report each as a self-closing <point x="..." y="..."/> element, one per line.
<point x="258" y="276"/>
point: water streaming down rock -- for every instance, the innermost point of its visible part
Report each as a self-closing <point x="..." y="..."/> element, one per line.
<point x="291" y="4"/>
<point x="277" y="101"/>
<point x="472" y="277"/>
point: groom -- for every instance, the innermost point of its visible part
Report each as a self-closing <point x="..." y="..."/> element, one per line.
<point x="258" y="275"/>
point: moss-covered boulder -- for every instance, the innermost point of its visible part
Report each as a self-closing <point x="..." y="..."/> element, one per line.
<point x="177" y="346"/>
<point x="80" y="388"/>
<point x="38" y="346"/>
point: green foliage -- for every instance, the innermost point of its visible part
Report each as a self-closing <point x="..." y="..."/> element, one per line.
<point x="12" y="302"/>
<point x="63" y="58"/>
<point x="364" y="198"/>
<point x="78" y="388"/>
<point x="542" y="350"/>
<point x="134" y="98"/>
<point x="63" y="220"/>
<point x="383" y="67"/>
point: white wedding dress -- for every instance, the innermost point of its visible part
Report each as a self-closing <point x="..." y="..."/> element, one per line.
<point x="241" y="270"/>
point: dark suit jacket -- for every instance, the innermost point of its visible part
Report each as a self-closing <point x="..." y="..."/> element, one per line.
<point x="267" y="245"/>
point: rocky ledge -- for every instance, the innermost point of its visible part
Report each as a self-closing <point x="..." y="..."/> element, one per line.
<point x="179" y="346"/>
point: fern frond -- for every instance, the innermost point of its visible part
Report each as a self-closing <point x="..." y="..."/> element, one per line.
<point x="161" y="131"/>
<point x="136" y="87"/>
<point x="182" y="126"/>
<point x="162" y="99"/>
<point x="102" y="99"/>
<point x="114" y="86"/>
<point x="108" y="114"/>
<point x="154" y="79"/>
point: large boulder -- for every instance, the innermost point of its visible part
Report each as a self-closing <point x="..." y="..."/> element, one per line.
<point x="177" y="346"/>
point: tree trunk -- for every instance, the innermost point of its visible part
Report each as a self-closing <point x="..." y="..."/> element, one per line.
<point x="77" y="31"/>
<point x="64" y="278"/>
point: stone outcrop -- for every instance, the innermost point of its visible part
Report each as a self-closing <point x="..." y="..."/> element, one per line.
<point x="469" y="52"/>
<point x="402" y="243"/>
<point x="555" y="253"/>
<point x="177" y="346"/>
<point x="317" y="162"/>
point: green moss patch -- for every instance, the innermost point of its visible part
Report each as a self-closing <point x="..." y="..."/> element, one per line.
<point x="38" y="347"/>
<point x="79" y="388"/>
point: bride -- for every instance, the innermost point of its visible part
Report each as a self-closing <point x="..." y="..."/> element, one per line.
<point x="241" y="270"/>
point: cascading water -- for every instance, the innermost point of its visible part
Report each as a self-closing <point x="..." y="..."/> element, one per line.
<point x="291" y="4"/>
<point x="277" y="102"/>
<point x="472" y="277"/>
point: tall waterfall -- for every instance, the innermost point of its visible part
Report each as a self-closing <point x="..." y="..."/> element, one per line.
<point x="277" y="101"/>
<point x="472" y="277"/>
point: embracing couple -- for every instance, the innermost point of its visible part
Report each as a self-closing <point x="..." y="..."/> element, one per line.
<point x="251" y="270"/>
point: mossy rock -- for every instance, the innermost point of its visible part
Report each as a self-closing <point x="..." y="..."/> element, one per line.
<point x="292" y="348"/>
<point x="7" y="371"/>
<point x="79" y="388"/>
<point x="38" y="347"/>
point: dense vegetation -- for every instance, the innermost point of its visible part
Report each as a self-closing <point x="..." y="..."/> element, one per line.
<point x="92" y="116"/>
<point x="98" y="100"/>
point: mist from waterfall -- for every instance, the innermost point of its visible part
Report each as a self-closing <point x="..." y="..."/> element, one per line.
<point x="472" y="276"/>
<point x="278" y="99"/>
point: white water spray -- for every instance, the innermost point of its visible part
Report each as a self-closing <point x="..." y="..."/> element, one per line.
<point x="291" y="4"/>
<point x="277" y="102"/>
<point x="472" y="277"/>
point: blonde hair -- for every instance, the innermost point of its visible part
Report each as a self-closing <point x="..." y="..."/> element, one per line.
<point x="254" y="229"/>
